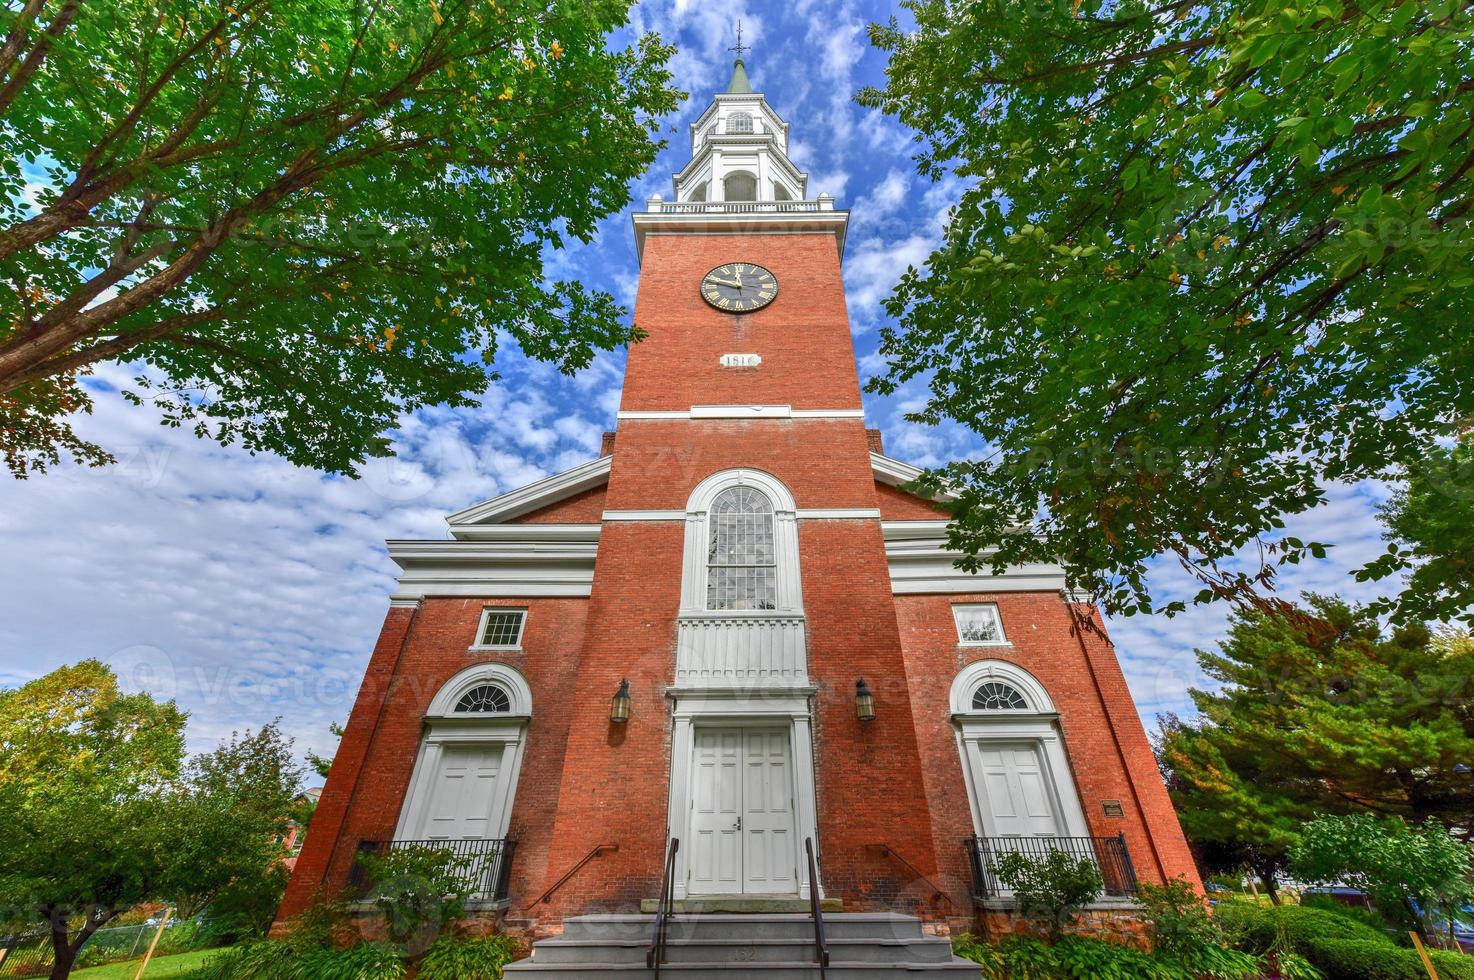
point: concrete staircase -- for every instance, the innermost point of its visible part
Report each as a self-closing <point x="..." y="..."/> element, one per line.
<point x="770" y="946"/>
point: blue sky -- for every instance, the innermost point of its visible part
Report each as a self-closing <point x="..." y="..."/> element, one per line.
<point x="247" y="588"/>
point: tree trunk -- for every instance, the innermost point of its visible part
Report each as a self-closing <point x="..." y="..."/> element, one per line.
<point x="64" y="954"/>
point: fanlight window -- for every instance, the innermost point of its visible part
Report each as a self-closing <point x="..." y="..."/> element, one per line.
<point x="741" y="568"/>
<point x="484" y="699"/>
<point x="739" y="122"/>
<point x="998" y="696"/>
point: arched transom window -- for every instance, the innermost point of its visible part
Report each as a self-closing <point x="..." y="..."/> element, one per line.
<point x="484" y="699"/>
<point x="739" y="122"/>
<point x="741" y="570"/>
<point x="998" y="696"/>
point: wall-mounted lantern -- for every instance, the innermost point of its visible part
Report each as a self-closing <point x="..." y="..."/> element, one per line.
<point x="864" y="701"/>
<point x="619" y="705"/>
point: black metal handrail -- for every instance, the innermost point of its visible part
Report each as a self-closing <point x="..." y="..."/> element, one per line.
<point x="594" y="852"/>
<point x="1110" y="855"/>
<point x="821" y="948"/>
<point x="937" y="894"/>
<point x="484" y="865"/>
<point x="655" y="955"/>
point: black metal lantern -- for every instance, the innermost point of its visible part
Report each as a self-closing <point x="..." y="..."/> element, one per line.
<point x="864" y="701"/>
<point x="619" y="705"/>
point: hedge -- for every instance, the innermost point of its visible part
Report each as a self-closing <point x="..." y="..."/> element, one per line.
<point x="1338" y="945"/>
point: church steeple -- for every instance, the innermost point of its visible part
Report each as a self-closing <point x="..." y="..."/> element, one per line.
<point x="739" y="85"/>
<point x="739" y="168"/>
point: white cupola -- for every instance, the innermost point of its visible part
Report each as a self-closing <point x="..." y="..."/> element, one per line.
<point x="739" y="151"/>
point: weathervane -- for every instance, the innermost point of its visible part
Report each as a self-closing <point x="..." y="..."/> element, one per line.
<point x="739" y="47"/>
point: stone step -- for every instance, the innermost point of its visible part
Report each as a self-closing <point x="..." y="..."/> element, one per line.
<point x="927" y="949"/>
<point x="726" y="971"/>
<point x="767" y="946"/>
<point x="734" y="926"/>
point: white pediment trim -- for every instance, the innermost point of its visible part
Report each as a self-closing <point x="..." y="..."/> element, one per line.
<point x="557" y="487"/>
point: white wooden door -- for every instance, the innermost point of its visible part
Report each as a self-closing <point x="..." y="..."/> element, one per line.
<point x="768" y="846"/>
<point x="716" y="812"/>
<point x="742" y="819"/>
<point x="1017" y="800"/>
<point x="464" y="797"/>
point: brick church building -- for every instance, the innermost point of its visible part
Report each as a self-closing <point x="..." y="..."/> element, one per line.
<point x="735" y="639"/>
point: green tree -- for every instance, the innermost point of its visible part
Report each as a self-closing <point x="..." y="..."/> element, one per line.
<point x="1411" y="873"/>
<point x="304" y="217"/>
<point x="1319" y="710"/>
<point x="1430" y="524"/>
<point x="1210" y="257"/>
<point x="229" y="815"/>
<point x="102" y="812"/>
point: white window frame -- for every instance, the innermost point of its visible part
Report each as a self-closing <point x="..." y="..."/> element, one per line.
<point x="959" y="607"/>
<point x="1037" y="725"/>
<point x="444" y="726"/>
<point x="486" y="614"/>
<point x="785" y="544"/>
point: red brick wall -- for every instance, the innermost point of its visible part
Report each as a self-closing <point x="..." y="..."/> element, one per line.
<point x="581" y="508"/>
<point x="1103" y="737"/>
<point x="895" y="505"/>
<point x="803" y="335"/>
<point x="382" y="744"/>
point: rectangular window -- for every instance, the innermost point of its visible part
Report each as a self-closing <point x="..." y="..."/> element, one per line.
<point x="979" y="624"/>
<point x="501" y="629"/>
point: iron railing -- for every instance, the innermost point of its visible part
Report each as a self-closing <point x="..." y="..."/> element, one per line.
<point x="821" y="945"/>
<point x="484" y="865"/>
<point x="1109" y="854"/>
<point x="655" y="955"/>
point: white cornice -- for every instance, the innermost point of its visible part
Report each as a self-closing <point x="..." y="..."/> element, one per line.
<point x="833" y="222"/>
<point x="540" y="560"/>
<point x="706" y="412"/>
<point x="535" y="495"/>
<point x="920" y="562"/>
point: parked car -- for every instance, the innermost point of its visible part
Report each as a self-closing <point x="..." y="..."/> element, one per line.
<point x="1354" y="897"/>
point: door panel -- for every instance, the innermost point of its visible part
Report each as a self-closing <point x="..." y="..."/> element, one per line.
<point x="742" y="814"/>
<point x="767" y="819"/>
<point x="716" y="844"/>
<point x="464" y="793"/>
<point x="1017" y="801"/>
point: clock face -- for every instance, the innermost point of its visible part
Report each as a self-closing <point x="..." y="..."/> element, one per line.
<point x="739" y="287"/>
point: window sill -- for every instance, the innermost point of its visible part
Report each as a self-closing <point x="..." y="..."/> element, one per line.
<point x="477" y="649"/>
<point x="987" y="644"/>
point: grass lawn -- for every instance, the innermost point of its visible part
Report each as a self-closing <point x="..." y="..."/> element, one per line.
<point x="159" y="967"/>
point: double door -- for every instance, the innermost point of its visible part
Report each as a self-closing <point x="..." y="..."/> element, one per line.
<point x="743" y="839"/>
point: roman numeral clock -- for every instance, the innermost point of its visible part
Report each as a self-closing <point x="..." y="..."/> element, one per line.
<point x="739" y="287"/>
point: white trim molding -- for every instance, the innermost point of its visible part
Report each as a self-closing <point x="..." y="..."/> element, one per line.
<point x="444" y="727"/>
<point x="785" y="538"/>
<point x="523" y="500"/>
<point x="974" y="674"/>
<point x="920" y="562"/>
<point x="1037" y="726"/>
<point x="708" y="412"/>
<point x="499" y="561"/>
<point x="788" y="708"/>
<point x="508" y="678"/>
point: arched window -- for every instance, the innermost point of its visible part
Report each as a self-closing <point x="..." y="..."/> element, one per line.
<point x="998" y="696"/>
<point x="739" y="122"/>
<point x="699" y="194"/>
<point x="740" y="186"/>
<point x="484" y="699"/>
<point x="780" y="193"/>
<point x="741" y="570"/>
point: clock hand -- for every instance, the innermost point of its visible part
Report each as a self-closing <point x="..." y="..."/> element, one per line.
<point x="725" y="282"/>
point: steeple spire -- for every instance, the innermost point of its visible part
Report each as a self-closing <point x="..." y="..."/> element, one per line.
<point x="739" y="85"/>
